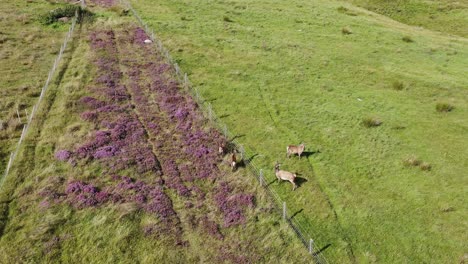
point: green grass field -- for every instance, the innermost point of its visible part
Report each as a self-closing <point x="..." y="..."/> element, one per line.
<point x="280" y="73"/>
<point x="448" y="17"/>
<point x="27" y="53"/>
<point x="34" y="231"/>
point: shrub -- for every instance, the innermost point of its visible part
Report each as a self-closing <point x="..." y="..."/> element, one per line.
<point x="444" y="107"/>
<point x="407" y="39"/>
<point x="346" y="31"/>
<point x="66" y="11"/>
<point x="411" y="161"/>
<point x="227" y="19"/>
<point x="398" y="85"/>
<point x="52" y="16"/>
<point x="371" y="122"/>
<point x="425" y="166"/>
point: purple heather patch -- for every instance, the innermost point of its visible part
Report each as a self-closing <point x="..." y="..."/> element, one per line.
<point x="63" y="155"/>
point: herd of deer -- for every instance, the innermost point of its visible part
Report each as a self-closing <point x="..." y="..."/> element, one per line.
<point x="280" y="174"/>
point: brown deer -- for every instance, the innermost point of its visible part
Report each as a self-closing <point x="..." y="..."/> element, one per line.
<point x="285" y="175"/>
<point x="292" y="149"/>
<point x="233" y="161"/>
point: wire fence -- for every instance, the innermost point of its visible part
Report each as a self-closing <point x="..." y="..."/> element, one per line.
<point x="41" y="96"/>
<point x="304" y="234"/>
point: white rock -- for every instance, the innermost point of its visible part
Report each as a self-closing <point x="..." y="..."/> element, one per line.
<point x="147" y="41"/>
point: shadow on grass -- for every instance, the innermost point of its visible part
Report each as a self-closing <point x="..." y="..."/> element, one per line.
<point x="246" y="162"/>
<point x="300" y="181"/>
<point x="307" y="154"/>
<point x="321" y="250"/>
<point x="296" y="213"/>
<point x="236" y="137"/>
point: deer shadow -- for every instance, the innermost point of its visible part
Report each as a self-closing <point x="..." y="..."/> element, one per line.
<point x="243" y="163"/>
<point x="300" y="181"/>
<point x="307" y="154"/>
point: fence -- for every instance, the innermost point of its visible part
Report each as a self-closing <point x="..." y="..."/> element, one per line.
<point x="41" y="96"/>
<point x="305" y="236"/>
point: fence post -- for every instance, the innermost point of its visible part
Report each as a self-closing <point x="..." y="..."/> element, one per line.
<point x="186" y="85"/>
<point x="17" y="113"/>
<point x="284" y="211"/>
<point x="242" y="151"/>
<point x="210" y="112"/>
<point x="311" y="246"/>
<point x="225" y="130"/>
<point x="261" y="177"/>
<point x="9" y="163"/>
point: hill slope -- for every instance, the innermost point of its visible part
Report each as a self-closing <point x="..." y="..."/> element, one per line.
<point x="120" y="166"/>
<point x="281" y="73"/>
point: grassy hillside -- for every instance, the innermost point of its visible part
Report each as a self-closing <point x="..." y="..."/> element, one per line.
<point x="385" y="170"/>
<point x="450" y="17"/>
<point x="27" y="52"/>
<point x="119" y="166"/>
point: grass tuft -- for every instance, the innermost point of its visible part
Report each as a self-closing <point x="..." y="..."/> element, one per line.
<point x="227" y="19"/>
<point x="371" y="122"/>
<point x="425" y="166"/>
<point x="398" y="85"/>
<point x="444" y="107"/>
<point x="407" y="39"/>
<point x="346" y="31"/>
<point x="412" y="161"/>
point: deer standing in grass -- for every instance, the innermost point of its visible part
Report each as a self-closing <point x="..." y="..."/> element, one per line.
<point x="233" y="161"/>
<point x="292" y="149"/>
<point x="285" y="175"/>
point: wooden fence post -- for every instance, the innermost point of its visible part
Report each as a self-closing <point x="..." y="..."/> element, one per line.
<point x="311" y="246"/>
<point x="284" y="210"/>
<point x="17" y="113"/>
<point x="225" y="132"/>
<point x="261" y="177"/>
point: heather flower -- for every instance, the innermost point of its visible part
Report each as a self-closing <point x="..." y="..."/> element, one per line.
<point x="63" y="155"/>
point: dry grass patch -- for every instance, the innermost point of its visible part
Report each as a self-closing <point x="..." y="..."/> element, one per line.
<point x="371" y="122"/>
<point x="444" y="107"/>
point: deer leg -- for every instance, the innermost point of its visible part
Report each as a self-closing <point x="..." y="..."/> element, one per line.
<point x="294" y="185"/>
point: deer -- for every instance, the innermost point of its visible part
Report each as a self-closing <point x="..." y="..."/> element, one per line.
<point x="292" y="149"/>
<point x="285" y="175"/>
<point x="221" y="149"/>
<point x="233" y="161"/>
